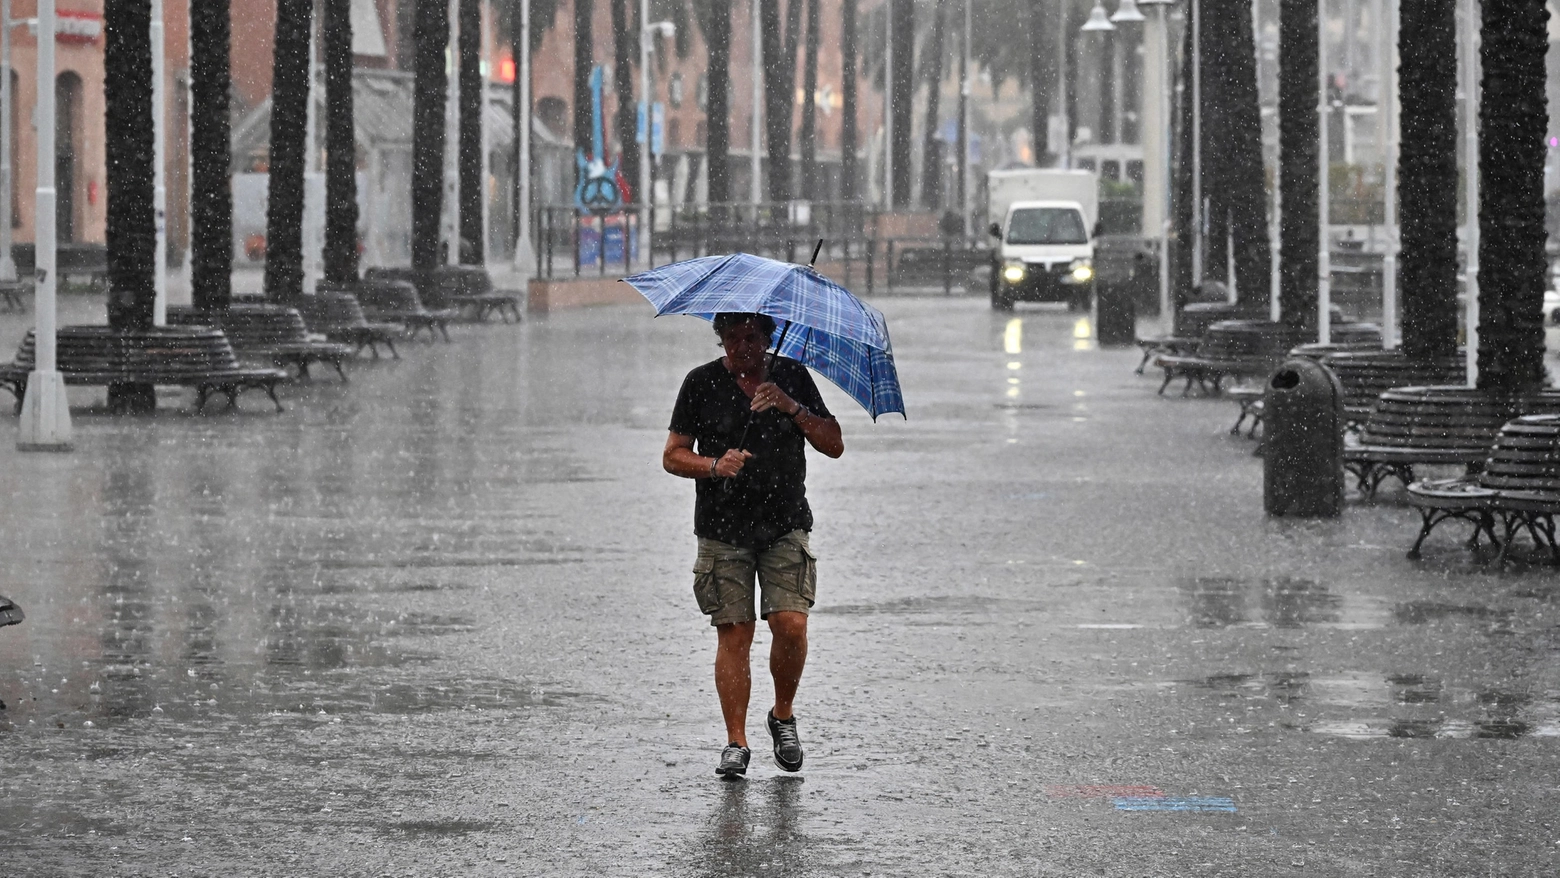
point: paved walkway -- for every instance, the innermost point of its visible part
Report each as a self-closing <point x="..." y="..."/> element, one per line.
<point x="438" y="622"/>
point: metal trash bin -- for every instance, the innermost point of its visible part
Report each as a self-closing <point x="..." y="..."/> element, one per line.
<point x="1302" y="438"/>
<point x="1115" y="313"/>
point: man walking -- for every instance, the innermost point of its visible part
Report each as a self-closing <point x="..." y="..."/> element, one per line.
<point x="751" y="517"/>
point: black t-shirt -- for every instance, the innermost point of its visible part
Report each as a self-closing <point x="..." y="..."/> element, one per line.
<point x="768" y="499"/>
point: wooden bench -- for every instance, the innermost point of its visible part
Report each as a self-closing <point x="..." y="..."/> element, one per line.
<point x="1519" y="484"/>
<point x="1427" y="426"/>
<point x="189" y="356"/>
<point x="73" y="259"/>
<point x="469" y="288"/>
<point x="338" y="316"/>
<point x="12" y="293"/>
<point x="269" y="333"/>
<point x="396" y="301"/>
<point x="1245" y="349"/>
<point x="1365" y="375"/>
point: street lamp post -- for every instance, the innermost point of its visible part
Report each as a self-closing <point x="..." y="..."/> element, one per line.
<point x="647" y="33"/>
<point x="7" y="263"/>
<point x="964" y="126"/>
<point x="45" y="420"/>
<point x="1156" y="145"/>
<point x="888" y="106"/>
<point x="524" y="256"/>
<point x="159" y="168"/>
<point x="1323" y="199"/>
<point x="756" y="165"/>
<point x="1470" y="89"/>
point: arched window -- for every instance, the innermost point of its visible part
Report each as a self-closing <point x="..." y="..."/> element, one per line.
<point x="67" y="158"/>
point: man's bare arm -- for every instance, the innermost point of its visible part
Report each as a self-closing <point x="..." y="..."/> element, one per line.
<point x="679" y="459"/>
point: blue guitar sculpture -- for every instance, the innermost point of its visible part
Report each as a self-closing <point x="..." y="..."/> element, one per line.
<point x="600" y="189"/>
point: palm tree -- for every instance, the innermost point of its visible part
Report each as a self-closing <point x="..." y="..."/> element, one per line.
<point x="809" y="132"/>
<point x="341" y="212"/>
<point x="1512" y="267"/>
<point x="431" y="34"/>
<point x="626" y="120"/>
<point x="211" y="191"/>
<point x="1298" y="149"/>
<point x="779" y="90"/>
<point x="289" y="124"/>
<point x="473" y="247"/>
<point x="931" y="156"/>
<point x="1427" y="162"/>
<point x="714" y="18"/>
<point x="848" y="100"/>
<point x="902" y="76"/>
<point x="1041" y="78"/>
<point x="1241" y="189"/>
<point x="131" y="221"/>
<point x="584" y="60"/>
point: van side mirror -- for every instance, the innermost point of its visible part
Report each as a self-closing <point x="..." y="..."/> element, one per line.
<point x="994" y="230"/>
<point x="1099" y="229"/>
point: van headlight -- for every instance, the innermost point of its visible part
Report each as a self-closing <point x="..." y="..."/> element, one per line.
<point x="1082" y="271"/>
<point x="1013" y="272"/>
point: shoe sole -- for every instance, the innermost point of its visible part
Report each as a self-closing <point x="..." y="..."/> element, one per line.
<point x="731" y="774"/>
<point x="784" y="767"/>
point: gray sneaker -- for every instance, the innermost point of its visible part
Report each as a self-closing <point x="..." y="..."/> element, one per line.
<point x="733" y="761"/>
<point x="788" y="747"/>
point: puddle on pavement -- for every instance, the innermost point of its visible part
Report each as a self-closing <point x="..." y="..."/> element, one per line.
<point x="933" y="604"/>
<point x="1430" y="708"/>
<point x="1284" y="602"/>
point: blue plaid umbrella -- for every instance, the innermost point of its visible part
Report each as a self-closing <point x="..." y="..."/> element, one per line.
<point x="822" y="325"/>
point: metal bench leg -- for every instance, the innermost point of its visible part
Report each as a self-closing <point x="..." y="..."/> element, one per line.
<point x="270" y="390"/>
<point x="390" y="343"/>
<point x="1169" y="376"/>
<point x="1428" y="521"/>
<point x="201" y="393"/>
<point x="336" y="362"/>
<point x="231" y="391"/>
<point x="1148" y="354"/>
<point x="444" y="330"/>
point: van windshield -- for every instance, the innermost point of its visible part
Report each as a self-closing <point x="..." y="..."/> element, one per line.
<point x="1046" y="225"/>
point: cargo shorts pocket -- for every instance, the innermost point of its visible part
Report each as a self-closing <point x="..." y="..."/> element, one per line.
<point x="807" y="576"/>
<point x="706" y="585"/>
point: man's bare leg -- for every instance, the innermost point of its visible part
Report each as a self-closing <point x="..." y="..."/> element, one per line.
<point x="787" y="657"/>
<point x="734" y="677"/>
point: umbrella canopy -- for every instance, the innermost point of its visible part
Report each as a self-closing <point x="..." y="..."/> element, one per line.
<point x="829" y="330"/>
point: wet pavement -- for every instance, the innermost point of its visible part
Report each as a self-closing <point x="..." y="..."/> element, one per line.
<point x="438" y="621"/>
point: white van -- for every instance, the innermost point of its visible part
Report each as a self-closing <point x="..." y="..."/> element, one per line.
<point x="1044" y="221"/>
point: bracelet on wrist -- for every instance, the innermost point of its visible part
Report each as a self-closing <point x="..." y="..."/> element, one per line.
<point x="800" y="410"/>
<point x="714" y="461"/>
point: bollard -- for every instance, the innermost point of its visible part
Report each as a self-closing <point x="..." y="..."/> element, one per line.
<point x="1302" y="439"/>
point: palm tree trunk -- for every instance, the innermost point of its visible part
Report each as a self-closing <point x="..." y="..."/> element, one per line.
<point x="931" y="155"/>
<point x="903" y="76"/>
<point x="473" y="246"/>
<point x="1298" y="96"/>
<point x="717" y="107"/>
<point x="431" y="35"/>
<point x="1427" y="166"/>
<point x="289" y="124"/>
<point x="1042" y="80"/>
<point x="848" y="40"/>
<point x="584" y="59"/>
<point x="131" y="221"/>
<point x="779" y="90"/>
<point x="809" y="133"/>
<point x="211" y="190"/>
<point x="1513" y="121"/>
<point x="341" y="212"/>
<point x="1241" y="184"/>
<point x="626" y="120"/>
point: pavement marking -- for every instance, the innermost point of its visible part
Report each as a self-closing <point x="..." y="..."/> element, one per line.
<point x="1219" y="804"/>
<point x="1102" y="791"/>
<point x="1109" y="626"/>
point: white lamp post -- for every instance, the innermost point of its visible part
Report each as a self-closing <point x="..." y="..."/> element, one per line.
<point x="1156" y="145"/>
<point x="646" y="151"/>
<point x="888" y="106"/>
<point x="159" y="168"/>
<point x="1389" y="161"/>
<point x="1323" y="200"/>
<point x="525" y="258"/>
<point x="1470" y="90"/>
<point x="756" y="163"/>
<point x="45" y="421"/>
<point x="7" y="263"/>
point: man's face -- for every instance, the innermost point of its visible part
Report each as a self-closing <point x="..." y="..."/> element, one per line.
<point x="745" y="345"/>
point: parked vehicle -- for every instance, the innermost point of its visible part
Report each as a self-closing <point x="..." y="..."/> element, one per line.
<point x="1045" y="222"/>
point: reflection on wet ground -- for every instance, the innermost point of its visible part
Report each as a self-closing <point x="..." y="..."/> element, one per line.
<point x="756" y="830"/>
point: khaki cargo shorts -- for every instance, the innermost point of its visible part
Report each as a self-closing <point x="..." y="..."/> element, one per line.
<point x="723" y="575"/>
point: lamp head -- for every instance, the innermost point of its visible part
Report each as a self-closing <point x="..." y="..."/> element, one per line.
<point x="1097" y="19"/>
<point x="1127" y="13"/>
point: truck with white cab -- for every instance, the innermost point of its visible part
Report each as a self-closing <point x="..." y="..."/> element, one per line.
<point x="1045" y="221"/>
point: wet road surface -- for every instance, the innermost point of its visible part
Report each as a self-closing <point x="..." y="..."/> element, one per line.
<point x="438" y="622"/>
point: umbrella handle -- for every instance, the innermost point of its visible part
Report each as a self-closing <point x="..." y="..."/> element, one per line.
<point x="814" y="260"/>
<point x="769" y="366"/>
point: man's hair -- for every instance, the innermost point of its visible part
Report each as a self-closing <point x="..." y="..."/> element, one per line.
<point x="726" y="320"/>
